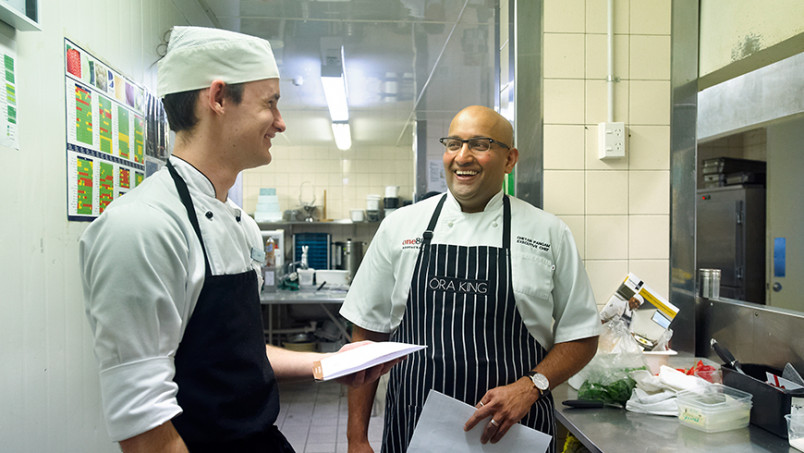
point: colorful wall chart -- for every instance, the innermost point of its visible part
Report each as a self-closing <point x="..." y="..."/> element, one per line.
<point x="8" y="100"/>
<point x="106" y="117"/>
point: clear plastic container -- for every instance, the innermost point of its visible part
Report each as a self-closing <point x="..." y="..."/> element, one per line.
<point x="795" y="430"/>
<point x="715" y="408"/>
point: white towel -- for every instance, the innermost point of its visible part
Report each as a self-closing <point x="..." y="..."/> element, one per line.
<point x="656" y="395"/>
<point x="662" y="403"/>
<point x="678" y="381"/>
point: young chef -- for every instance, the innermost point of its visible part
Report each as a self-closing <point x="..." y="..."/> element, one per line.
<point x="492" y="285"/>
<point x="171" y="270"/>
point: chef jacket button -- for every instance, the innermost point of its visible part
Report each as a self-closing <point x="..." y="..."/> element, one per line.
<point x="449" y="224"/>
<point x="208" y="214"/>
<point x="494" y="224"/>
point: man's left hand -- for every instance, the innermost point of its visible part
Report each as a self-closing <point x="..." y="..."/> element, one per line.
<point x="501" y="408"/>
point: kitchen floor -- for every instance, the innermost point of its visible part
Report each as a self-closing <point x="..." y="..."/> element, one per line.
<point x="313" y="416"/>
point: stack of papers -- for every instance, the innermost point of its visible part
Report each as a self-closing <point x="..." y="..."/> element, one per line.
<point x="361" y="358"/>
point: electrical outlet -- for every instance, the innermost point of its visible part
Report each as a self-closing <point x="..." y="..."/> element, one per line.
<point x="610" y="140"/>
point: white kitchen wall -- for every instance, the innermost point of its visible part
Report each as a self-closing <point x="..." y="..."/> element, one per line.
<point x="618" y="210"/>
<point x="49" y="394"/>
<point x="346" y="176"/>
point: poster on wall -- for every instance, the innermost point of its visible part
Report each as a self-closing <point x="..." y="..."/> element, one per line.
<point x="8" y="99"/>
<point x="106" y="133"/>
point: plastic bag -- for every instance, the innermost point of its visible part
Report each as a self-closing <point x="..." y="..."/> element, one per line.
<point x="663" y="343"/>
<point x="607" y="377"/>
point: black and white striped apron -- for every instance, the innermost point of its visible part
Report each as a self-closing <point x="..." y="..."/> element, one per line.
<point x="461" y="305"/>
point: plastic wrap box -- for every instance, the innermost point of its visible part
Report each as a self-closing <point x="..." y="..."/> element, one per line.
<point x="771" y="403"/>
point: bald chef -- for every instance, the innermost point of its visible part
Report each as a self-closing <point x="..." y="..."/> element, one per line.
<point x="492" y="285"/>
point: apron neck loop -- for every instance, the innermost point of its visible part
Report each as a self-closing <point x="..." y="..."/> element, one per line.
<point x="428" y="234"/>
<point x="184" y="195"/>
<point x="506" y="222"/>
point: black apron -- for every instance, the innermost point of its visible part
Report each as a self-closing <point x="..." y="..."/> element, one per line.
<point x="461" y="305"/>
<point x="227" y="389"/>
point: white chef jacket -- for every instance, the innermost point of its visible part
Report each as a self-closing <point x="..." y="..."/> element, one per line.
<point x="552" y="291"/>
<point x="143" y="269"/>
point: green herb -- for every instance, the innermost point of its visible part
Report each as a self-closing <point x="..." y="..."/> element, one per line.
<point x="616" y="392"/>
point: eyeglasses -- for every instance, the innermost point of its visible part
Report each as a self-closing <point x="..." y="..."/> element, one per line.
<point x="479" y="144"/>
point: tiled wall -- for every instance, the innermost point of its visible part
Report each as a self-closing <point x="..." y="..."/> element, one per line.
<point x="618" y="210"/>
<point x="346" y="176"/>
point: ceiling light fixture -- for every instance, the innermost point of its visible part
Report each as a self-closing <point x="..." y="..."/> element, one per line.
<point x="343" y="136"/>
<point x="335" y="92"/>
<point x="334" y="83"/>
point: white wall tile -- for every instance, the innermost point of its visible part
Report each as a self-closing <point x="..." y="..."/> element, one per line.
<point x="605" y="276"/>
<point x="650" y="17"/>
<point x="563" y="192"/>
<point x="648" y="147"/>
<point x="606" y="237"/>
<point x="564" y="55"/>
<point x="563" y="147"/>
<point x="650" y="57"/>
<point x="649" y="192"/>
<point x="564" y="16"/>
<point x="363" y="171"/>
<point x="649" y="237"/>
<point x="563" y="101"/>
<point x="606" y="192"/>
<point x="649" y="102"/>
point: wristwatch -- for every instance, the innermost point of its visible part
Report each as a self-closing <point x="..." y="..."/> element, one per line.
<point x="540" y="382"/>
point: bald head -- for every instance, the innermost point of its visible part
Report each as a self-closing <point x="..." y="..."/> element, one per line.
<point x="485" y="122"/>
<point x="475" y="174"/>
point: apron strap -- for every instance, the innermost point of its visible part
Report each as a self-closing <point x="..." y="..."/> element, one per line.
<point x="184" y="195"/>
<point x="506" y="223"/>
<point x="428" y="234"/>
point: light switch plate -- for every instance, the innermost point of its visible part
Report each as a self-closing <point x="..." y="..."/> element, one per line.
<point x="610" y="140"/>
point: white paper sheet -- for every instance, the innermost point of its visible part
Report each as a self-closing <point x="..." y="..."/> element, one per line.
<point x="440" y="428"/>
<point x="361" y="358"/>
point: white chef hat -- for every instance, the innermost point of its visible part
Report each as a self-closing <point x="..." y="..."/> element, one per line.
<point x="196" y="56"/>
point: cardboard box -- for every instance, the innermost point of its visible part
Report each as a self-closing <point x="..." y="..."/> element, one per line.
<point x="650" y="320"/>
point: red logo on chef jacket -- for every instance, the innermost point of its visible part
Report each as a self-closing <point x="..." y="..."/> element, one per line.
<point x="412" y="243"/>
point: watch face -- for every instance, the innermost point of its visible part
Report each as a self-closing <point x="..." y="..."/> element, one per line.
<point x="540" y="381"/>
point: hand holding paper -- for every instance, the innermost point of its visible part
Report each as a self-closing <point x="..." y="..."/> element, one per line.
<point x="355" y="359"/>
<point x="440" y="428"/>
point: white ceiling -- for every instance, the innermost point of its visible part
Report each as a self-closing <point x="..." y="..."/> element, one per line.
<point x="405" y="60"/>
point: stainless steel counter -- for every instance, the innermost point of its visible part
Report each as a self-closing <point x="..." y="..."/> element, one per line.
<point x="615" y="430"/>
<point x="304" y="296"/>
<point x="324" y="298"/>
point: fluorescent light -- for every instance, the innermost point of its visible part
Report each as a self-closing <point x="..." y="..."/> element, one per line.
<point x="343" y="135"/>
<point x="334" y="83"/>
<point x="335" y="92"/>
